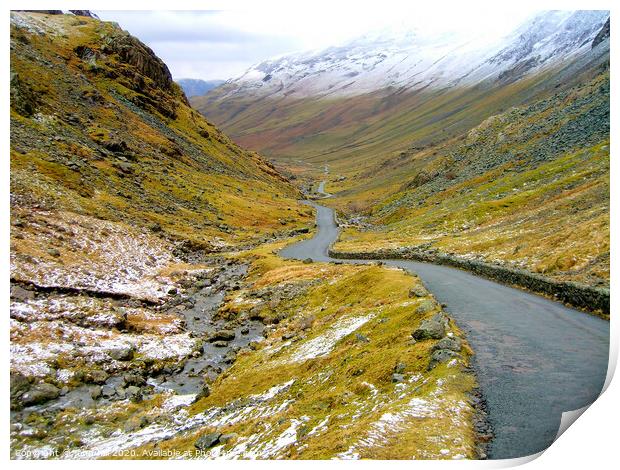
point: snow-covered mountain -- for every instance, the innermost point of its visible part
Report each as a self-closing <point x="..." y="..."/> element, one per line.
<point x="409" y="60"/>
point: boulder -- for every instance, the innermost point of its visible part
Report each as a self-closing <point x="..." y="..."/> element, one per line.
<point x="397" y="378"/>
<point x="432" y="328"/>
<point x="121" y="392"/>
<point x="222" y="335"/>
<point x="122" y="353"/>
<point x="425" y="307"/>
<point x="96" y="376"/>
<point x="19" y="385"/>
<point x="21" y="294"/>
<point x="418" y="291"/>
<point x="230" y="357"/>
<point x="451" y="343"/>
<point x="441" y="356"/>
<point x="361" y="338"/>
<point x="40" y="393"/>
<point x="207" y="441"/>
<point x="205" y="391"/>
<point x="224" y="438"/>
<point x="134" y="379"/>
<point x="133" y="393"/>
<point x="307" y="261"/>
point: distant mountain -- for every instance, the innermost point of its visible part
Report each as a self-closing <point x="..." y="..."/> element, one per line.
<point x="380" y="92"/>
<point x="197" y="87"/>
<point x="407" y="59"/>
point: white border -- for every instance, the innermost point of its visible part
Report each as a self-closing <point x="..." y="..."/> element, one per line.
<point x="591" y="443"/>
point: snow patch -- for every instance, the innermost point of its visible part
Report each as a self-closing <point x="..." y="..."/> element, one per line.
<point x="323" y="344"/>
<point x="179" y="401"/>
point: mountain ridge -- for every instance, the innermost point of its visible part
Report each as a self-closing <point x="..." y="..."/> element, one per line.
<point x="407" y="60"/>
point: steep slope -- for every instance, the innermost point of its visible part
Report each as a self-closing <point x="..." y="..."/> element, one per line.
<point x="528" y="188"/>
<point x="98" y="127"/>
<point x="120" y="195"/>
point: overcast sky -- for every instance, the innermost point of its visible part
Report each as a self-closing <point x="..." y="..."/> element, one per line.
<point x="223" y="44"/>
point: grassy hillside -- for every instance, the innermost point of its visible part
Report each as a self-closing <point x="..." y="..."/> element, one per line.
<point x="99" y="128"/>
<point x="338" y="375"/>
<point x="528" y="187"/>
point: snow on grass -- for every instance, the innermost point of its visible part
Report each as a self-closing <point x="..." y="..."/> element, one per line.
<point x="391" y="423"/>
<point x="179" y="401"/>
<point x="32" y="359"/>
<point x="95" y="313"/>
<point x="320" y="428"/>
<point x="167" y="347"/>
<point x="323" y="344"/>
<point x="95" y="255"/>
<point x="64" y="375"/>
<point x="83" y="310"/>
<point x="36" y="345"/>
<point x="401" y="415"/>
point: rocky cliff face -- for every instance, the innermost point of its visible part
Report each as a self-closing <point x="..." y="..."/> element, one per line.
<point x="602" y="34"/>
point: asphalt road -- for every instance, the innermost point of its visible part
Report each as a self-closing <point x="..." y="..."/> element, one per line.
<point x="535" y="358"/>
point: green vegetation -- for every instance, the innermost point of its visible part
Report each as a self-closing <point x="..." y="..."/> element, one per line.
<point x="529" y="187"/>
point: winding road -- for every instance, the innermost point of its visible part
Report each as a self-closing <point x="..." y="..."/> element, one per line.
<point x="534" y="359"/>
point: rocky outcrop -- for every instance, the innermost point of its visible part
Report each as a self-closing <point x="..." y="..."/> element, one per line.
<point x="40" y="393"/>
<point x="86" y="13"/>
<point x="602" y="35"/>
<point x="23" y="99"/>
<point x="577" y="295"/>
<point x="440" y="356"/>
<point x="208" y="440"/>
<point x="133" y="52"/>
